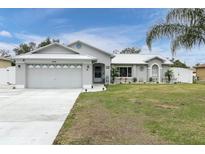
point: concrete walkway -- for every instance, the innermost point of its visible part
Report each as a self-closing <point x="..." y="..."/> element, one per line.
<point x="33" y="116"/>
<point x="95" y="88"/>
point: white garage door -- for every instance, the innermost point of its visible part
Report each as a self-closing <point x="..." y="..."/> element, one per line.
<point x="54" y="76"/>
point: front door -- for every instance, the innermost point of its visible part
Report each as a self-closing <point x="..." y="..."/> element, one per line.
<point x="98" y="74"/>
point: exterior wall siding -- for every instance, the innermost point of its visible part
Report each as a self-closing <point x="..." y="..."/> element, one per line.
<point x="184" y="75"/>
<point x="20" y="75"/>
<point x="200" y="73"/>
<point x="141" y="73"/>
<point x="7" y="75"/>
<point x="101" y="58"/>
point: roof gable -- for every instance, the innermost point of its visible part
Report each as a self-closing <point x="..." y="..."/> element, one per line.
<point x="156" y="57"/>
<point x="54" y="48"/>
<point x="200" y="66"/>
<point x="100" y="50"/>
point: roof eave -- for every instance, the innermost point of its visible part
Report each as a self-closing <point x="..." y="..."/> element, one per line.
<point x="55" y="43"/>
<point x="131" y="63"/>
<point x="44" y="58"/>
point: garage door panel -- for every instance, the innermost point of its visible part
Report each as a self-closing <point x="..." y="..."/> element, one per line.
<point x="54" y="77"/>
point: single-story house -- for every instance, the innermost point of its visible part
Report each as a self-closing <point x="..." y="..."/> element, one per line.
<point x="142" y="67"/>
<point x="200" y="72"/>
<point x="80" y="65"/>
<point x="5" y="62"/>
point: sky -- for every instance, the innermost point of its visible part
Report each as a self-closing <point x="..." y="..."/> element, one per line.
<point x="108" y="29"/>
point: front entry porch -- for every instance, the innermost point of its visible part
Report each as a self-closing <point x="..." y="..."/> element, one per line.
<point x="98" y="73"/>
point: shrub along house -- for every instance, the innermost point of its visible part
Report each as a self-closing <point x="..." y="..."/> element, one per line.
<point x="80" y="65"/>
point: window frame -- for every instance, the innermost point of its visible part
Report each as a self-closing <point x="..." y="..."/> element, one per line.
<point x="128" y="71"/>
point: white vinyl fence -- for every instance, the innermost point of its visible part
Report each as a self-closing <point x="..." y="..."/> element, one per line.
<point x="7" y="75"/>
<point x="184" y="75"/>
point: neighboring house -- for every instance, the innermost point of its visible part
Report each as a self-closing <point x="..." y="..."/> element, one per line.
<point x="5" y="62"/>
<point x="200" y="72"/>
<point x="143" y="67"/>
<point x="77" y="65"/>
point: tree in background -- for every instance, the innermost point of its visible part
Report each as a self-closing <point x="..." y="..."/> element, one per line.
<point x="131" y="50"/>
<point x="32" y="46"/>
<point x="24" y="47"/>
<point x="184" y="27"/>
<point x="4" y="53"/>
<point x="178" y="63"/>
<point x="197" y="64"/>
<point x="44" y="43"/>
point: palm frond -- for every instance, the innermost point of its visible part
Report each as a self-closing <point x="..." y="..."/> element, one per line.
<point x="163" y="30"/>
<point x="185" y="28"/>
<point x="185" y="15"/>
<point x="193" y="37"/>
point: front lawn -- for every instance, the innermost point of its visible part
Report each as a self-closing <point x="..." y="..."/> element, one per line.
<point x="138" y="114"/>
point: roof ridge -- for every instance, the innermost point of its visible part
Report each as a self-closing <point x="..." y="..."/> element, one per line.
<point x="108" y="53"/>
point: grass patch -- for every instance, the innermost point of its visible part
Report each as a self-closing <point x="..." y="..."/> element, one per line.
<point x="137" y="114"/>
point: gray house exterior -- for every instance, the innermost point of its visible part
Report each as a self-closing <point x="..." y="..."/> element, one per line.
<point x="142" y="67"/>
<point x="80" y="65"/>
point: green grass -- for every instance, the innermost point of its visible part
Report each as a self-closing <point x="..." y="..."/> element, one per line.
<point x="138" y="114"/>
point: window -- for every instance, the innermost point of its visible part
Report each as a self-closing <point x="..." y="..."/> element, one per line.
<point x="78" y="45"/>
<point x="155" y="71"/>
<point x="125" y="71"/>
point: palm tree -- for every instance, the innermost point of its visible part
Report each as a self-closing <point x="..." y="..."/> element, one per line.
<point x="185" y="28"/>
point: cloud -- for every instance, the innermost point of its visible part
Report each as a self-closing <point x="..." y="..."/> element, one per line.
<point x="8" y="46"/>
<point x="5" y="33"/>
<point x="26" y="38"/>
<point x="107" y="38"/>
<point x="119" y="37"/>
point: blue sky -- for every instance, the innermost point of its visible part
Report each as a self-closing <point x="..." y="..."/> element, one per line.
<point x="108" y="29"/>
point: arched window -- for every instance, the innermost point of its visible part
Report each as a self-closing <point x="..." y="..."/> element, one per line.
<point x="155" y="71"/>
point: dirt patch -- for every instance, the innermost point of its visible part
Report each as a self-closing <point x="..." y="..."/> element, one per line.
<point x="166" y="106"/>
<point x="99" y="126"/>
<point x="136" y="101"/>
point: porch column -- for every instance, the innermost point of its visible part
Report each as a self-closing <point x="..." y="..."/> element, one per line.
<point x="134" y="71"/>
<point x="107" y="74"/>
<point x="149" y="74"/>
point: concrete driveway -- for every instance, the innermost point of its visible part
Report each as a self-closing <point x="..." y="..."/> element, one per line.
<point x="33" y="116"/>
